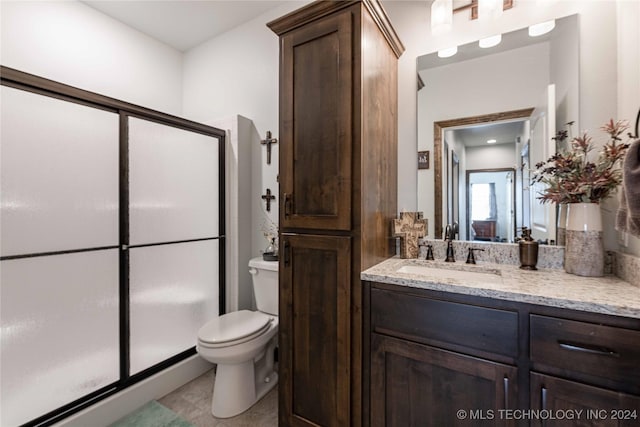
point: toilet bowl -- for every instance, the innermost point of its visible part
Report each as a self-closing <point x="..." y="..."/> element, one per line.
<point x="242" y="344"/>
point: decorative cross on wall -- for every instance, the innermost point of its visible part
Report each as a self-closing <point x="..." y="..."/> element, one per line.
<point x="268" y="198"/>
<point x="410" y="227"/>
<point x="268" y="143"/>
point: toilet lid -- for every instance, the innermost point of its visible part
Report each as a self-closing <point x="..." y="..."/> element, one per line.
<point x="233" y="326"/>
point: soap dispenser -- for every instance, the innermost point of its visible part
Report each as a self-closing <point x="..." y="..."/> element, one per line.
<point x="528" y="250"/>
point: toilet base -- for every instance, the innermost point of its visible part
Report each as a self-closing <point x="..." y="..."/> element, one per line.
<point x="238" y="387"/>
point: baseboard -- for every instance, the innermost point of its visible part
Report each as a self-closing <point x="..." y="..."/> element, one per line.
<point x="117" y="406"/>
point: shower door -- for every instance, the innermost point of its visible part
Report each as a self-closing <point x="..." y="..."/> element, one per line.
<point x="60" y="253"/>
<point x="112" y="245"/>
<point x="173" y="239"/>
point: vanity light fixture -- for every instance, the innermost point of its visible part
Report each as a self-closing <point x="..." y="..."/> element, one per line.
<point x="445" y="53"/>
<point x="490" y="41"/>
<point x="491" y="141"/>
<point x="542" y="28"/>
<point x="441" y="16"/>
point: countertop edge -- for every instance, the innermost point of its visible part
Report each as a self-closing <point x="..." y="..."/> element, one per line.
<point x="384" y="273"/>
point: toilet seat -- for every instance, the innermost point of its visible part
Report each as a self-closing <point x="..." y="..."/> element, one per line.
<point x="233" y="328"/>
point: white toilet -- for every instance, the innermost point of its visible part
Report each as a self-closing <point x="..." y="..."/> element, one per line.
<point x="242" y="344"/>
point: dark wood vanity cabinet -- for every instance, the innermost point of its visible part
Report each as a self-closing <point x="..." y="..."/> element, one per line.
<point x="421" y="385"/>
<point x="432" y="354"/>
<point x="588" y="366"/>
<point x="338" y="194"/>
<point x="598" y="406"/>
<point x="315" y="135"/>
<point x="431" y="358"/>
<point x="315" y="293"/>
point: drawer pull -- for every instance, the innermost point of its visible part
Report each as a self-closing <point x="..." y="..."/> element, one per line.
<point x="506" y="392"/>
<point x="602" y="351"/>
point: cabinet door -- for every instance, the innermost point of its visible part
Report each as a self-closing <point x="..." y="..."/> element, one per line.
<point x="316" y="125"/>
<point x="418" y="385"/>
<point x="314" y="330"/>
<point x="590" y="406"/>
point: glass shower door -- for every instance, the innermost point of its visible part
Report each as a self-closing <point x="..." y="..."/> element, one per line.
<point x="59" y="279"/>
<point x="174" y="193"/>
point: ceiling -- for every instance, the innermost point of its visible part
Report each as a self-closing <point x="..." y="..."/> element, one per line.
<point x="183" y="24"/>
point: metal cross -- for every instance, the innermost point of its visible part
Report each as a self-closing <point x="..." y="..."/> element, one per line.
<point x="268" y="143"/>
<point x="268" y="198"/>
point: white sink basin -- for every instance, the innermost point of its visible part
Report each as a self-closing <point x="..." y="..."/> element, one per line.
<point x="483" y="276"/>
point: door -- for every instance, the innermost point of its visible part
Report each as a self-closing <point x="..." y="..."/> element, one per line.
<point x="418" y="385"/>
<point x="316" y="125"/>
<point x="315" y="330"/>
<point x="490" y="204"/>
<point x="541" y="147"/>
<point x="591" y="405"/>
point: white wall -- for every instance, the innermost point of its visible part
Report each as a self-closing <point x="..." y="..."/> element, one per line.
<point x="410" y="19"/>
<point x="237" y="73"/>
<point x="71" y="43"/>
<point x="490" y="157"/>
<point x="564" y="72"/>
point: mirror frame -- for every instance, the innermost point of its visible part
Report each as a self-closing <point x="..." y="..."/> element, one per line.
<point x="438" y="129"/>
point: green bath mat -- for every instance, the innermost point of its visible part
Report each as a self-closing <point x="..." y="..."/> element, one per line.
<point x="152" y="414"/>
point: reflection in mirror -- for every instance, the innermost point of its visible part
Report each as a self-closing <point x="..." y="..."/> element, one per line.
<point x="514" y="93"/>
<point x="490" y="205"/>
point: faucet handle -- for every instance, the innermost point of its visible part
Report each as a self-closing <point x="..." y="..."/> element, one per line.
<point x="471" y="259"/>
<point x="429" y="253"/>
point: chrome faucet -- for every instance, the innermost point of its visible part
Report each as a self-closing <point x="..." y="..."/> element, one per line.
<point x="449" y="234"/>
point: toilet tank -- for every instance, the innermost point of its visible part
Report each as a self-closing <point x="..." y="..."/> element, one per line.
<point x="265" y="284"/>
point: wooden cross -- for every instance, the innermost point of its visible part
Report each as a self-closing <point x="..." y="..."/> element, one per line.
<point x="268" y="198"/>
<point x="268" y="143"/>
<point x="410" y="227"/>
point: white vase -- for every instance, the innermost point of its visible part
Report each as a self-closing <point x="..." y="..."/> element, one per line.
<point x="561" y="226"/>
<point x="584" y="251"/>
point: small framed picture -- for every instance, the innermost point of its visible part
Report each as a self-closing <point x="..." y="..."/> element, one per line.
<point x="423" y="160"/>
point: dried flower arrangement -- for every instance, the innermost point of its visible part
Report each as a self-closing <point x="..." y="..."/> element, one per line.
<point x="572" y="178"/>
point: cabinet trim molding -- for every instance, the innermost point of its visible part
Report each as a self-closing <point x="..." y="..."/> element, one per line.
<point x="320" y="9"/>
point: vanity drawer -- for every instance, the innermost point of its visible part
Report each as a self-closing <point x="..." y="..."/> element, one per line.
<point x="460" y="327"/>
<point x="600" y="352"/>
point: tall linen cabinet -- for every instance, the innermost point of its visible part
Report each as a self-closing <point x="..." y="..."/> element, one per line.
<point x="338" y="194"/>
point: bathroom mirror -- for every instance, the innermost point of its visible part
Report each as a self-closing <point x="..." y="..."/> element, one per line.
<point x="491" y="114"/>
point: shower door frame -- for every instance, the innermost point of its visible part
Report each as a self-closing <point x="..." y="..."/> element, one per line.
<point x="28" y="82"/>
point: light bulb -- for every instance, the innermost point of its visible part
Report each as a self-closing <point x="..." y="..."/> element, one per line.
<point x="490" y="41"/>
<point x="542" y="28"/>
<point x="445" y="53"/>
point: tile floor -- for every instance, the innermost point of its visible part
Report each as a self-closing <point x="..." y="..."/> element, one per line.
<point x="192" y="401"/>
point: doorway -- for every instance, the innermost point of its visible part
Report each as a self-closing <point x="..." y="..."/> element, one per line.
<point x="490" y="214"/>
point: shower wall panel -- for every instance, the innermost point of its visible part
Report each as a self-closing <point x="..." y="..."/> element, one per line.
<point x="60" y="338"/>
<point x="173" y="178"/>
<point x="174" y="291"/>
<point x="59" y="173"/>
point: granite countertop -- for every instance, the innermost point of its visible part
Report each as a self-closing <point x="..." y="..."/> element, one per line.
<point x="551" y="287"/>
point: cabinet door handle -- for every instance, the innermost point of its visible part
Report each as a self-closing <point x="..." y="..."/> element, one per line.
<point x="505" y="380"/>
<point x="543" y="398"/>
<point x="287" y="204"/>
<point x="286" y="249"/>
<point x="592" y="349"/>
